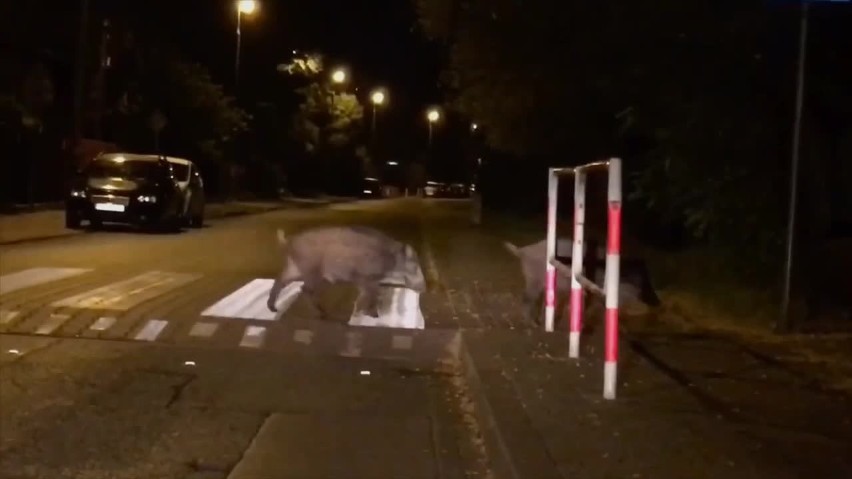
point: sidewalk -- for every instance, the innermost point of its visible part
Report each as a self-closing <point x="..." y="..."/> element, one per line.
<point x="691" y="404"/>
<point x="46" y="224"/>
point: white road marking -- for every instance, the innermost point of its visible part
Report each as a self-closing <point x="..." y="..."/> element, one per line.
<point x="151" y="330"/>
<point x="204" y="330"/>
<point x="103" y="323"/>
<point x="401" y="342"/>
<point x="353" y="345"/>
<point x="249" y="302"/>
<point x="304" y="336"/>
<point x="400" y="310"/>
<point x="52" y="323"/>
<point x="35" y="276"/>
<point x="253" y="337"/>
<point x="126" y="294"/>
<point x="6" y="317"/>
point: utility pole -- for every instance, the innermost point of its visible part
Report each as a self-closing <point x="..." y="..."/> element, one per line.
<point x="783" y="324"/>
<point x="79" y="74"/>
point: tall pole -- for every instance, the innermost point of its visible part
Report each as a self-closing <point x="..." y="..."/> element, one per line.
<point x="237" y="57"/>
<point x="79" y="73"/>
<point x="784" y="319"/>
<point x="373" y="126"/>
<point x="430" y="135"/>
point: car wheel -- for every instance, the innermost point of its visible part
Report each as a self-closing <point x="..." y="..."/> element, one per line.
<point x="72" y="220"/>
<point x="95" y="224"/>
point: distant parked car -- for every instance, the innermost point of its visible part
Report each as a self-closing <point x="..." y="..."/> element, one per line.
<point x="143" y="190"/>
<point x="372" y="188"/>
<point x="191" y="187"/>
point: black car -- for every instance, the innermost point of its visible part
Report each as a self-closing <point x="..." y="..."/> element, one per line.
<point x="125" y="188"/>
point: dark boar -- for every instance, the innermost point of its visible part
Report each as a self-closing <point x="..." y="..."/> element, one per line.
<point x="356" y="255"/>
<point x="635" y="282"/>
<point x="533" y="258"/>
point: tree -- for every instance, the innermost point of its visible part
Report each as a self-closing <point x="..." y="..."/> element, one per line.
<point x="327" y="116"/>
<point x="690" y="79"/>
<point x="201" y="119"/>
<point x="328" y="121"/>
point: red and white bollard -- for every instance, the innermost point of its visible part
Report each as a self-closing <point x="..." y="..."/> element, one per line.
<point x="613" y="262"/>
<point x="550" y="270"/>
<point x="576" y="318"/>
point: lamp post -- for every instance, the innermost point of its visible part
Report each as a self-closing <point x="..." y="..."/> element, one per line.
<point x="378" y="99"/>
<point x="432" y="116"/>
<point x="244" y="7"/>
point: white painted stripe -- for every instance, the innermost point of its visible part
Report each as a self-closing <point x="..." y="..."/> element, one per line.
<point x="249" y="301"/>
<point x="610" y="375"/>
<point x="578" y="245"/>
<point x="35" y="276"/>
<point x="126" y="294"/>
<point x="253" y="337"/>
<point x="401" y="310"/>
<point x="402" y="342"/>
<point x="613" y="264"/>
<point x="151" y="330"/>
<point x="6" y="317"/>
<point x="204" y="330"/>
<point x="353" y="345"/>
<point x="52" y="323"/>
<point x="614" y="183"/>
<point x="304" y="336"/>
<point x="574" y="344"/>
<point x="103" y="323"/>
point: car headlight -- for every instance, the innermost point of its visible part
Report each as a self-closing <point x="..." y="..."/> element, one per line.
<point x="78" y="193"/>
<point x="147" y="199"/>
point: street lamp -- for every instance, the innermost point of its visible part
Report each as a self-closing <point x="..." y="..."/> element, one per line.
<point x="432" y="116"/>
<point x="244" y="7"/>
<point x="338" y="76"/>
<point x="378" y="99"/>
<point x="473" y="126"/>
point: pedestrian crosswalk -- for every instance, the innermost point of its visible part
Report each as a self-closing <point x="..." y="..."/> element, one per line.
<point x="164" y="306"/>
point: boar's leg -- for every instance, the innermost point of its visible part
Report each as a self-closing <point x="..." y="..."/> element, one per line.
<point x="369" y="293"/>
<point x="531" y="302"/>
<point x="309" y="289"/>
<point x="287" y="276"/>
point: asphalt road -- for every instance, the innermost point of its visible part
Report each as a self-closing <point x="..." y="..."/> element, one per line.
<point x="116" y="362"/>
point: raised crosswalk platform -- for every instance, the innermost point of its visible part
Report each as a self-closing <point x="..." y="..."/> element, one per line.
<point x="202" y="309"/>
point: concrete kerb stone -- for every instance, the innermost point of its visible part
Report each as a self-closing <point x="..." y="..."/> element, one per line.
<point x="499" y="456"/>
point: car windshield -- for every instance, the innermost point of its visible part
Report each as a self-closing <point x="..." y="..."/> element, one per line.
<point x="109" y="168"/>
<point x="181" y="171"/>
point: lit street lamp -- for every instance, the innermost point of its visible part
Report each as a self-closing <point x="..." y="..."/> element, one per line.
<point x="338" y="76"/>
<point x="244" y="7"/>
<point x="473" y="126"/>
<point x="378" y="99"/>
<point x="432" y="115"/>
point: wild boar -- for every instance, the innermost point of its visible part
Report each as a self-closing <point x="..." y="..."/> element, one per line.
<point x="356" y="255"/>
<point x="533" y="258"/>
<point x="635" y="282"/>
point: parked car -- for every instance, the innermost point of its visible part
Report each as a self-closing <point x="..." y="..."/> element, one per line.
<point x="191" y="187"/>
<point x="136" y="189"/>
<point x="372" y="188"/>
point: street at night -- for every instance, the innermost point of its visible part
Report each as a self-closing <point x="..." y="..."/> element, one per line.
<point x="443" y="239"/>
<point x="91" y="389"/>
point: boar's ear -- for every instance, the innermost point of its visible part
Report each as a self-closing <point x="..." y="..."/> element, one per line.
<point x="282" y="238"/>
<point x="409" y="251"/>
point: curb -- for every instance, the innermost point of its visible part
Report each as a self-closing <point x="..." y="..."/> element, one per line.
<point x="499" y="457"/>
